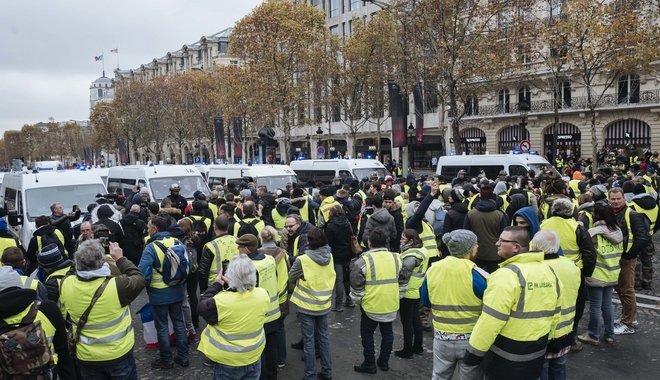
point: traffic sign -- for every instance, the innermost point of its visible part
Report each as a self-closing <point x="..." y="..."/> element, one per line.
<point x="525" y="146"/>
<point x="320" y="150"/>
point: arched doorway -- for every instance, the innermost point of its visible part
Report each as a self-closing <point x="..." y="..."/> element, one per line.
<point x="569" y="139"/>
<point x="188" y="157"/>
<point x="622" y="133"/>
<point x="511" y="136"/>
<point x="473" y="141"/>
<point x="205" y="155"/>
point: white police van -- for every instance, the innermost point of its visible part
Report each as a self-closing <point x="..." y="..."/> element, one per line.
<point x="270" y="175"/>
<point x="492" y="164"/>
<point x="327" y="170"/>
<point x="157" y="179"/>
<point x="27" y="195"/>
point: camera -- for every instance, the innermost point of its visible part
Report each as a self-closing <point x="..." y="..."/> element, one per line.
<point x="104" y="237"/>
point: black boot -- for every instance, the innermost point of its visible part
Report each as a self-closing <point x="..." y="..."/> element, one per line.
<point x="406" y="354"/>
<point x="365" y="367"/>
<point x="382" y="364"/>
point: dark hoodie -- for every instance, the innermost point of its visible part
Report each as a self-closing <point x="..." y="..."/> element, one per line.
<point x="14" y="300"/>
<point x="641" y="202"/>
<point x="487" y="222"/>
<point x="268" y="202"/>
<point x="283" y="205"/>
<point x="395" y="211"/>
<point x="339" y="238"/>
<point x="321" y="256"/>
<point x="381" y="218"/>
<point x="531" y="217"/>
<point x="44" y="231"/>
<point x="453" y="221"/>
<point x="135" y="229"/>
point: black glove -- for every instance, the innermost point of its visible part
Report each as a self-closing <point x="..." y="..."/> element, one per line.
<point x="471" y="359"/>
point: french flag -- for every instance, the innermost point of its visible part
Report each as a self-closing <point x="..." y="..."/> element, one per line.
<point x="99" y="58"/>
<point x="115" y="50"/>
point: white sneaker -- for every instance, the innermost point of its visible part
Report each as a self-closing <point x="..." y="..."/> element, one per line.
<point x="623" y="330"/>
<point x="618" y="322"/>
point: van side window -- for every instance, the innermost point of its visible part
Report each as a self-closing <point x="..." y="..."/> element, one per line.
<point x="114" y="186"/>
<point x="304" y="175"/>
<point x="19" y="202"/>
<point x="517" y="170"/>
<point x="451" y="172"/>
<point x="344" y="174"/>
<point x="492" y="171"/>
<point x="10" y="199"/>
<point x="325" y="176"/>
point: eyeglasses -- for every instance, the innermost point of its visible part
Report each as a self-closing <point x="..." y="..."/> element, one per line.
<point x="500" y="240"/>
<point x="288" y="227"/>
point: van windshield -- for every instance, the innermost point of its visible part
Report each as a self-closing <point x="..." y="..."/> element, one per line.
<point x="38" y="201"/>
<point x="542" y="167"/>
<point x="368" y="172"/>
<point x="276" y="182"/>
<point x="160" y="187"/>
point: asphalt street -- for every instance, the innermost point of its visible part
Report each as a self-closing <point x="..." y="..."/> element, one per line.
<point x="634" y="356"/>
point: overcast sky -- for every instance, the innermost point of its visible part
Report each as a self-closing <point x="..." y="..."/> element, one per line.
<point x="47" y="47"/>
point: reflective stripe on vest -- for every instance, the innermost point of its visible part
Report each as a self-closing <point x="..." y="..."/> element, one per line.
<point x="651" y="214"/>
<point x="454" y="305"/>
<point x="240" y="338"/>
<point x="607" y="260"/>
<point x="29" y="283"/>
<point x="381" y="285"/>
<point x="282" y="280"/>
<point x="314" y="289"/>
<point x="57" y="276"/>
<point x="108" y="333"/>
<point x="566" y="230"/>
<point x="428" y="239"/>
<point x="224" y="248"/>
<point x="266" y="269"/>
<point x="156" y="278"/>
<point x="304" y="212"/>
<point x="569" y="275"/>
<point x="417" y="276"/>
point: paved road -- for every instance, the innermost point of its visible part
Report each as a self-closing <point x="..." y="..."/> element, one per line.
<point x="632" y="356"/>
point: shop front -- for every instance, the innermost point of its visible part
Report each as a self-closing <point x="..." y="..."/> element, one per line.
<point x="628" y="133"/>
<point x="368" y="148"/>
<point x="569" y="139"/>
<point x="423" y="157"/>
<point x="300" y="150"/>
<point x="473" y="141"/>
<point x="510" y="138"/>
<point x="336" y="149"/>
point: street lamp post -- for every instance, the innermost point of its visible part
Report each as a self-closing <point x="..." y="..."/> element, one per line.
<point x="411" y="157"/>
<point x="523" y="107"/>
<point x="319" y="133"/>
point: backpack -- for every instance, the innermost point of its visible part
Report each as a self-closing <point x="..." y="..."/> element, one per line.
<point x="168" y="218"/>
<point x="247" y="228"/>
<point x="24" y="351"/>
<point x="53" y="239"/>
<point x="440" y="215"/>
<point x="200" y="229"/>
<point x="176" y="263"/>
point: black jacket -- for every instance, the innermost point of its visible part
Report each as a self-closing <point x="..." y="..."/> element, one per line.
<point x="33" y="247"/>
<point x="179" y="202"/>
<point x="135" y="229"/>
<point x="640" y="230"/>
<point x="116" y="232"/>
<point x="15" y="300"/>
<point x="268" y="203"/>
<point x="63" y="223"/>
<point x="339" y="238"/>
<point x="453" y="221"/>
<point x="302" y="242"/>
<point x="395" y="211"/>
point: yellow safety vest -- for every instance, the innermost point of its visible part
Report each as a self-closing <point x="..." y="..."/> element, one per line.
<point x="278" y="220"/>
<point x="607" y="261"/>
<point x="314" y="290"/>
<point x="590" y="218"/>
<point x="381" y="285"/>
<point x="565" y="228"/>
<point x="266" y="273"/>
<point x="214" y="209"/>
<point x="60" y="237"/>
<point x="428" y="239"/>
<point x="58" y="275"/>
<point x="363" y="195"/>
<point x="41" y="319"/>
<point x="417" y="277"/>
<point x="631" y="237"/>
<point x="108" y="334"/>
<point x="527" y="283"/>
<point x="569" y="277"/>
<point x="282" y="280"/>
<point x="574" y="185"/>
<point x="472" y="200"/>
<point x="304" y="212"/>
<point x="454" y="305"/>
<point x="29" y="282"/>
<point x="326" y="205"/>
<point x="7" y="243"/>
<point x="442" y="187"/>
<point x="156" y="278"/>
<point x="224" y="248"/>
<point x="240" y="340"/>
<point x="652" y="214"/>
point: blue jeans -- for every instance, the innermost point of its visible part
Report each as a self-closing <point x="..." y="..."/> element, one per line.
<point x="367" y="329"/>
<point x="600" y="301"/>
<point x="554" y="369"/>
<point x="175" y="313"/>
<point x="248" y="372"/>
<point x="123" y="370"/>
<point x="310" y="326"/>
<point x="280" y="335"/>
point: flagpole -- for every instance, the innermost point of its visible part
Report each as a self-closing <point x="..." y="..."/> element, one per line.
<point x="103" y="60"/>
<point x="117" y="58"/>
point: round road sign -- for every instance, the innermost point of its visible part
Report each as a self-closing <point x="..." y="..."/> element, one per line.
<point x="320" y="150"/>
<point x="525" y="146"/>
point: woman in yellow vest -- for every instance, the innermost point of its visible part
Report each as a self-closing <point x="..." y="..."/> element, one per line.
<point x="415" y="261"/>
<point x="608" y="240"/>
<point x="234" y="338"/>
<point x="314" y="276"/>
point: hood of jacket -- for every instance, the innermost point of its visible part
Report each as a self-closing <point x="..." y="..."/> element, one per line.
<point x="268" y="199"/>
<point x="304" y="228"/>
<point x="283" y="205"/>
<point x="486" y="205"/>
<point x="381" y="215"/>
<point x="460" y="207"/>
<point x="275" y="251"/>
<point x="130" y="218"/>
<point x="176" y="232"/>
<point x="410" y="208"/>
<point x="44" y="230"/>
<point x="531" y="217"/>
<point x="644" y="201"/>
<point x="14" y="300"/>
<point x="429" y="215"/>
<point x="500" y="188"/>
<point x="600" y="228"/>
<point x="321" y="256"/>
<point x="339" y="221"/>
<point x="299" y="202"/>
<point x="175" y="212"/>
<point x="587" y="206"/>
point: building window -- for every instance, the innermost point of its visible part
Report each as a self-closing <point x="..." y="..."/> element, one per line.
<point x="315" y="3"/>
<point x="563" y="95"/>
<point x="334" y="8"/>
<point x="524" y="95"/>
<point x="524" y="53"/>
<point x="353" y="5"/>
<point x="343" y="29"/>
<point x="503" y="102"/>
<point x="183" y="62"/>
<point x="471" y="106"/>
<point x="100" y="92"/>
<point x="199" y="55"/>
<point x="334" y="29"/>
<point x="350" y="27"/>
<point x="628" y="92"/>
<point x="343" y="7"/>
<point x="222" y="47"/>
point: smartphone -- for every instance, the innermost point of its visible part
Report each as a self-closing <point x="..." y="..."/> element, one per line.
<point x="104" y="238"/>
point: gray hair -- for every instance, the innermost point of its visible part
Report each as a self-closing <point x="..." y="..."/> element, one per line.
<point x="562" y="207"/>
<point x="53" y="205"/>
<point x="546" y="241"/>
<point x="135" y="208"/>
<point x="242" y="273"/>
<point x="90" y="255"/>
